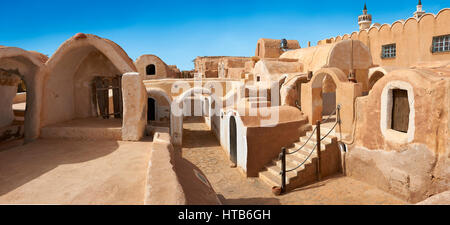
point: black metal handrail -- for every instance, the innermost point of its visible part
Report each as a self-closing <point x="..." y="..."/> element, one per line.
<point x="301" y="164"/>
<point x="283" y="153"/>
<point x="315" y="128"/>
<point x="306" y="142"/>
<point x="309" y="155"/>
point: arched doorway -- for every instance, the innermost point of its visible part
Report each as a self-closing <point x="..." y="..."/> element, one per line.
<point x="12" y="105"/>
<point x="151" y="111"/>
<point x="233" y="140"/>
<point x="71" y="73"/>
<point x="312" y="92"/>
<point x="328" y="96"/>
<point x="20" y="104"/>
<point x="374" y="78"/>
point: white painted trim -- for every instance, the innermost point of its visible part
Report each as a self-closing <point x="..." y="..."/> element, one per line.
<point x="386" y="113"/>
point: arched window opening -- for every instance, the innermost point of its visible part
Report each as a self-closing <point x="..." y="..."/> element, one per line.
<point x="150" y="69"/>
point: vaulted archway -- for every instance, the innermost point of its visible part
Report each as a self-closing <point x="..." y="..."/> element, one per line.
<point x="68" y="91"/>
<point x="346" y="93"/>
<point x="19" y="65"/>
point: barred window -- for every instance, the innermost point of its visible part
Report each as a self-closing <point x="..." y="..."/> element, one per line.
<point x="441" y="43"/>
<point x="389" y="51"/>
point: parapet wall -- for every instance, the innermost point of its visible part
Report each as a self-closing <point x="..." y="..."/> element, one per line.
<point x="413" y="39"/>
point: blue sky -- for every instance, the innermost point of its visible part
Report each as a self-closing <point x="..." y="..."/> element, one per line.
<point x="178" y="31"/>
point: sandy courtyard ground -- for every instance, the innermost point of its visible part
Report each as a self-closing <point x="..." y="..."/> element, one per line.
<point x="57" y="171"/>
<point x="201" y="147"/>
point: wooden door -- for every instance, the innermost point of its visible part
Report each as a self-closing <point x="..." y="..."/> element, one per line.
<point x="400" y="110"/>
<point x="102" y="85"/>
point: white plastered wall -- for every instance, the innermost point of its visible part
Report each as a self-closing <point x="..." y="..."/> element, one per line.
<point x="241" y="137"/>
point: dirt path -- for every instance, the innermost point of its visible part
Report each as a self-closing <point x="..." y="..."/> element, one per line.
<point x="201" y="147"/>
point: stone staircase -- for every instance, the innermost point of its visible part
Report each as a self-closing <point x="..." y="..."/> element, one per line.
<point x="307" y="173"/>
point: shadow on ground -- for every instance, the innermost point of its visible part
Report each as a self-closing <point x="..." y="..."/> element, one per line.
<point x="22" y="164"/>
<point x="249" y="201"/>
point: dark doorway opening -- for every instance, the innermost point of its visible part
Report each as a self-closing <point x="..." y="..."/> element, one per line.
<point x="233" y="141"/>
<point x="151" y="111"/>
<point x="150" y="69"/>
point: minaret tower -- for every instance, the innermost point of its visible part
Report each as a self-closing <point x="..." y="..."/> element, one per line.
<point x="419" y="13"/>
<point x="365" y="20"/>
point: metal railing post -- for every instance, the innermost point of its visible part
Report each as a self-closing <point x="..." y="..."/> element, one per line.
<point x="318" y="150"/>
<point x="283" y="170"/>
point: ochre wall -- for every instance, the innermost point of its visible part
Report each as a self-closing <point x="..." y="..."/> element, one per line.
<point x="415" y="169"/>
<point x="60" y="87"/>
<point x="161" y="68"/>
<point x="270" y="48"/>
<point x="412" y="37"/>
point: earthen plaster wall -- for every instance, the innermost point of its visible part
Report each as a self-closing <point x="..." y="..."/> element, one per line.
<point x="172" y="180"/>
<point x="412" y="165"/>
<point x="346" y="55"/>
<point x="270" y="48"/>
<point x="162" y="70"/>
<point x="32" y="71"/>
<point x="61" y="93"/>
<point x="413" y="38"/>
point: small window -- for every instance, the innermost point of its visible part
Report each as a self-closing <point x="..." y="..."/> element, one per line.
<point x="400" y="110"/>
<point x="258" y="79"/>
<point x="441" y="44"/>
<point x="151" y="69"/>
<point x="389" y="51"/>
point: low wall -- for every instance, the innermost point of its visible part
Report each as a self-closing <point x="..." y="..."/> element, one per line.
<point x="172" y="180"/>
<point x="264" y="143"/>
<point x="257" y="143"/>
<point x="405" y="174"/>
